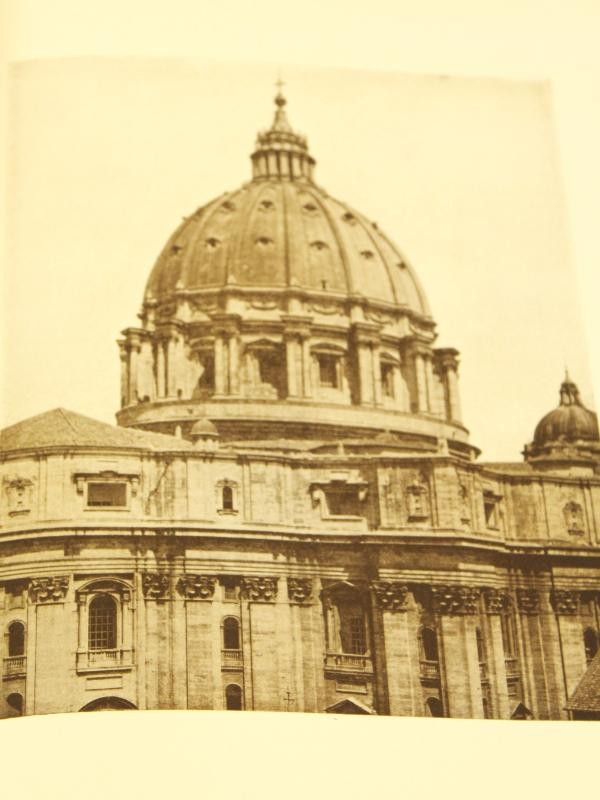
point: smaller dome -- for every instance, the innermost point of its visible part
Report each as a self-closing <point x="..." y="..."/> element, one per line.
<point x="570" y="422"/>
<point x="204" y="428"/>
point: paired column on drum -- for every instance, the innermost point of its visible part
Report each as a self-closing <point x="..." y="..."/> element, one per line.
<point x="296" y="336"/>
<point x="446" y="366"/>
<point x="169" y="362"/>
<point x="420" y="354"/>
<point x="227" y="354"/>
<point x="367" y="346"/>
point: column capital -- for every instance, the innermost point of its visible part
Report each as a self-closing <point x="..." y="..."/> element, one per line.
<point x="366" y="333"/>
<point x="49" y="590"/>
<point x="565" y="601"/>
<point x="497" y="601"/>
<point x="528" y="600"/>
<point x="226" y="324"/>
<point x="261" y="589"/>
<point x="197" y="587"/>
<point x="416" y="346"/>
<point x="296" y="326"/>
<point x="390" y="595"/>
<point x="446" y="358"/>
<point x="454" y="600"/>
<point x="299" y="589"/>
<point x="155" y="585"/>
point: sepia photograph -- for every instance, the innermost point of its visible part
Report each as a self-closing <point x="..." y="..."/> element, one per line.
<point x="269" y="448"/>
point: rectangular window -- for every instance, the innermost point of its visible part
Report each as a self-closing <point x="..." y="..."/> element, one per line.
<point x="357" y="635"/>
<point x="328" y="371"/>
<point x="490" y="510"/>
<point x="387" y="379"/>
<point x="113" y="494"/>
<point x="343" y="502"/>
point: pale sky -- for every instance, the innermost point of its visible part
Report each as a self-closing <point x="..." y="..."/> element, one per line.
<point x="107" y="155"/>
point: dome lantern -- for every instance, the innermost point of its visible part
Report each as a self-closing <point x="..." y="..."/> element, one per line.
<point x="280" y="152"/>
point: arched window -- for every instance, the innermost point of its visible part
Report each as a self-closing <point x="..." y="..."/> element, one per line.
<point x="429" y="647"/>
<point x="15" y="703"/>
<point x="227" y="498"/>
<point x="231" y="634"/>
<point x="233" y="697"/>
<point x="102" y="623"/>
<point x="346" y="620"/>
<point x="434" y="707"/>
<point x="590" y="641"/>
<point x="16" y="639"/>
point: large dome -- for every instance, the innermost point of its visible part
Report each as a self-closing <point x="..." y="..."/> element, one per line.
<point x="278" y="312"/>
<point x="271" y="233"/>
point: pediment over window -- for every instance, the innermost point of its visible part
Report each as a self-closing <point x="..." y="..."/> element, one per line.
<point x="349" y="706"/>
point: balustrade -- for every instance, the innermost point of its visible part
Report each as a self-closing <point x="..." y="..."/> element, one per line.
<point x="348" y="662"/>
<point x="430" y="669"/>
<point x="231" y="658"/>
<point x="14" y="666"/>
<point x="114" y="658"/>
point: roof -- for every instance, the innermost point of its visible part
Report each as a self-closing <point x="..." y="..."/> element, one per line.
<point x="280" y="231"/>
<point x="63" y="428"/>
<point x="570" y="422"/>
<point x="586" y="696"/>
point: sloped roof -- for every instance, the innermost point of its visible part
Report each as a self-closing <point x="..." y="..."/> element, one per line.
<point x="586" y="696"/>
<point x="62" y="428"/>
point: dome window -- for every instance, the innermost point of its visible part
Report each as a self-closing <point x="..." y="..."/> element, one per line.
<point x="349" y="218"/>
<point x="266" y="205"/>
<point x="329" y="370"/>
<point x="228" y="206"/>
<point x="264" y="241"/>
<point x="212" y="243"/>
<point x="367" y="254"/>
<point x="310" y="207"/>
<point x="387" y="379"/>
<point x="318" y="245"/>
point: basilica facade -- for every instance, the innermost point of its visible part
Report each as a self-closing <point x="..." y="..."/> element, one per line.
<point x="289" y="514"/>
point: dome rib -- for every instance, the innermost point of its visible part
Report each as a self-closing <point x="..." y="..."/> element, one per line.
<point x="339" y="241"/>
<point x="190" y="255"/>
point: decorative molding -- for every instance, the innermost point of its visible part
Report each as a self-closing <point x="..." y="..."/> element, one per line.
<point x="574" y="518"/>
<point x="262" y="589"/>
<point x="417" y="499"/>
<point x="49" y="590"/>
<point x="299" y="589"/>
<point x="155" y="585"/>
<point x="565" y="601"/>
<point x="497" y="601"/>
<point x="390" y="596"/>
<point x="197" y="587"/>
<point x="456" y="599"/>
<point x="528" y="601"/>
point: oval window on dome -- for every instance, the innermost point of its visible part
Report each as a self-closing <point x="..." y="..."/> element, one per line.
<point x="318" y="245"/>
<point x="266" y="205"/>
<point x="367" y="254"/>
<point x="349" y="218"/>
<point x="212" y="242"/>
<point x="228" y="206"/>
<point x="310" y="207"/>
<point x="264" y="241"/>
